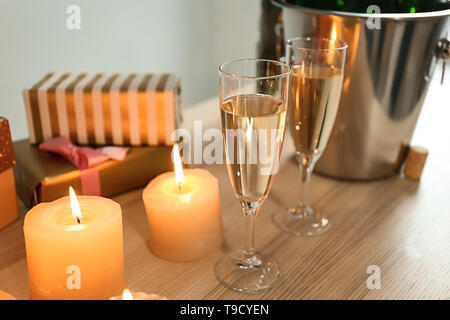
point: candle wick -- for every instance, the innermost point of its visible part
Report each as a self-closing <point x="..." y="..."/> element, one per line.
<point x="180" y="186"/>
<point x="78" y="220"/>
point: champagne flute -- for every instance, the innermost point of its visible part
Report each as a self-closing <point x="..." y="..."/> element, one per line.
<point x="314" y="92"/>
<point x="253" y="94"/>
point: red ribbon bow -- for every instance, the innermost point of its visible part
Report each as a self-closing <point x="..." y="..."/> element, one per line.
<point x="86" y="159"/>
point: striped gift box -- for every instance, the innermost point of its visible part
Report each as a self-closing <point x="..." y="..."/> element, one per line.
<point x="104" y="109"/>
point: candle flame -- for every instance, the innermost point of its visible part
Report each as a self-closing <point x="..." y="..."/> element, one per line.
<point x="76" y="211"/>
<point x="334" y="33"/>
<point x="126" y="295"/>
<point x="179" y="176"/>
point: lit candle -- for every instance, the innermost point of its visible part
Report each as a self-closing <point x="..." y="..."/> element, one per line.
<point x="128" y="295"/>
<point x="6" y="296"/>
<point x="183" y="211"/>
<point x="75" y="249"/>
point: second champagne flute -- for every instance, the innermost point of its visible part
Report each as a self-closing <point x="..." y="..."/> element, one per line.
<point x="314" y="92"/>
<point x="253" y="94"/>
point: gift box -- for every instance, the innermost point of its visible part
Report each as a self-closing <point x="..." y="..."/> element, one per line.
<point x="8" y="199"/>
<point x="42" y="176"/>
<point x="104" y="109"/>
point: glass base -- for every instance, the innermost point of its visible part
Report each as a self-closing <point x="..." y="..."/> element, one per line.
<point x="302" y="220"/>
<point x="252" y="274"/>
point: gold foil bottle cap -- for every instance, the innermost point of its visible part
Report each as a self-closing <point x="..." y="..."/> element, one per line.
<point x="415" y="162"/>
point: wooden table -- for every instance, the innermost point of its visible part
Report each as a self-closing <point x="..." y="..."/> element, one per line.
<point x="399" y="225"/>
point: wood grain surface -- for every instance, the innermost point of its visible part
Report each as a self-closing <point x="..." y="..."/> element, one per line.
<point x="399" y="225"/>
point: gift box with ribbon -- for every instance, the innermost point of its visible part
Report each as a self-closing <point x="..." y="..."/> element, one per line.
<point x="8" y="198"/>
<point x="104" y="109"/>
<point x="44" y="173"/>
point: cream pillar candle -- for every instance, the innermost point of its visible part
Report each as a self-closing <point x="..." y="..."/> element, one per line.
<point x="183" y="212"/>
<point x="75" y="251"/>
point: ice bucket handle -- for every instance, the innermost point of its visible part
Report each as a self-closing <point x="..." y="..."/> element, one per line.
<point x="443" y="52"/>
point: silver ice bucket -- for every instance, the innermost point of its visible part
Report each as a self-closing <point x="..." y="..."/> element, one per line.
<point x="387" y="75"/>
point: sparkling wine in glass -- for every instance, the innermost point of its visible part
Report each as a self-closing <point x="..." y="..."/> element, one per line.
<point x="314" y="93"/>
<point x="253" y="94"/>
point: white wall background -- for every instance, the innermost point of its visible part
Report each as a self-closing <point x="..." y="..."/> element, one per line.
<point x="187" y="37"/>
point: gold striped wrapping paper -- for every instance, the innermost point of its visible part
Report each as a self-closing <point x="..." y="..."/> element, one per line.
<point x="104" y="108"/>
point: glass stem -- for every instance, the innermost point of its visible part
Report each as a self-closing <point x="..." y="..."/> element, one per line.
<point x="251" y="210"/>
<point x="306" y="167"/>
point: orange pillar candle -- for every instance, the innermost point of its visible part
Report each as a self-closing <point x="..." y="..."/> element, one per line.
<point x="6" y="296"/>
<point x="75" y="249"/>
<point x="183" y="211"/>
